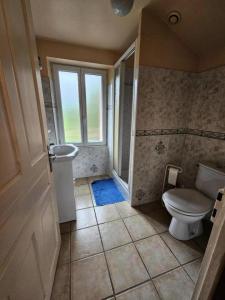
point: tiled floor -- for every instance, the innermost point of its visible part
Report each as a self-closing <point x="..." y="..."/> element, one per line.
<point x="119" y="252"/>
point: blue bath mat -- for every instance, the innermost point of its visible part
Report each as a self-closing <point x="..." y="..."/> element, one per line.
<point x="106" y="192"/>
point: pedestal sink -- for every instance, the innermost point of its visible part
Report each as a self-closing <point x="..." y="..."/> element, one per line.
<point x="62" y="157"/>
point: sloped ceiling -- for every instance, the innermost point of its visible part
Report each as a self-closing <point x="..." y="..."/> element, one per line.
<point x="202" y="27"/>
<point x="92" y="22"/>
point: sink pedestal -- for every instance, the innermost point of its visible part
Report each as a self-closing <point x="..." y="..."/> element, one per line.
<point x="63" y="180"/>
<point x="63" y="156"/>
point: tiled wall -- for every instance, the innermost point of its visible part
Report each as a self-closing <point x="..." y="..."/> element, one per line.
<point x="207" y="117"/>
<point x="91" y="160"/>
<point x="180" y="120"/>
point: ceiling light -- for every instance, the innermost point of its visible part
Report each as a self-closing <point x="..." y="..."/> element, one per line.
<point x="122" y="7"/>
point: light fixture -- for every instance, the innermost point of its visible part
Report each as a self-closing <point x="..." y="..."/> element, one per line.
<point x="122" y="7"/>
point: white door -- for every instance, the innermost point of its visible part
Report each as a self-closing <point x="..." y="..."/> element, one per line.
<point x="29" y="233"/>
<point x="212" y="265"/>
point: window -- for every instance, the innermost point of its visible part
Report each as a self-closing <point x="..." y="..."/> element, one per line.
<point x="81" y="104"/>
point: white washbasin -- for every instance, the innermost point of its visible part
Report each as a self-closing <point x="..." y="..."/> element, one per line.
<point x="64" y="152"/>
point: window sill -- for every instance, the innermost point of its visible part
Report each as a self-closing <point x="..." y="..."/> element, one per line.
<point x="89" y="145"/>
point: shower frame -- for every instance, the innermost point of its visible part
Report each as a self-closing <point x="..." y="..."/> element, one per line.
<point x="115" y="170"/>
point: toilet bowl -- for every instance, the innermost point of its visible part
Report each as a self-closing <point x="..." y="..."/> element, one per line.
<point x="186" y="216"/>
<point x="189" y="206"/>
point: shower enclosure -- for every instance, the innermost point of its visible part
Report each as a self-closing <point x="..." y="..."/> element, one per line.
<point x="123" y="102"/>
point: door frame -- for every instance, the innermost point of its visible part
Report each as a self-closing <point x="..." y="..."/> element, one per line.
<point x="213" y="260"/>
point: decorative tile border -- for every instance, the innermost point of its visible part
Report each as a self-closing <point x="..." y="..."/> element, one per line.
<point x="208" y="134"/>
<point x="160" y="132"/>
<point x="203" y="133"/>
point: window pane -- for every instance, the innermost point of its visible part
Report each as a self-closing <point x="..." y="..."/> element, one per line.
<point x="70" y="106"/>
<point x="94" y="100"/>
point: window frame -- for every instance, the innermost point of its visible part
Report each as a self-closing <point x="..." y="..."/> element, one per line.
<point x="81" y="71"/>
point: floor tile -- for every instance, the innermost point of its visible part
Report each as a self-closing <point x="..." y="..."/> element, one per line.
<point x="106" y="213"/>
<point x="126" y="267"/>
<point x="85" y="242"/>
<point x="64" y="227"/>
<point x="64" y="254"/>
<point x="184" y="251"/>
<point x="156" y="255"/>
<point x="193" y="269"/>
<point x="82" y="190"/>
<point x="125" y="210"/>
<point x="98" y="177"/>
<point x="90" y="279"/>
<point x="160" y="220"/>
<point x="61" y="286"/>
<point x="203" y="239"/>
<point x="139" y="227"/>
<point x="83" y="201"/>
<point x="174" y="285"/>
<point x="150" y="207"/>
<point x="114" y="234"/>
<point x="81" y="181"/>
<point x="85" y="218"/>
<point x="145" y="291"/>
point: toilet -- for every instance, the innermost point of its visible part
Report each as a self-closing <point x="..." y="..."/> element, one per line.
<point x="189" y="206"/>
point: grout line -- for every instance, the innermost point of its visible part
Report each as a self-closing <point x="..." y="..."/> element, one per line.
<point x="175" y="254"/>
<point x="77" y="229"/>
<point x="143" y="262"/>
<point x="191" y="261"/>
<point x="84" y="208"/>
<point x="132" y="242"/>
<point x="187" y="274"/>
<point x="170" y="250"/>
<point x="134" y="287"/>
<point x="163" y="273"/>
<point x="187" y="264"/>
<point x="92" y="195"/>
<point x="110" y="278"/>
<point x="128" y="243"/>
<point x="81" y="258"/>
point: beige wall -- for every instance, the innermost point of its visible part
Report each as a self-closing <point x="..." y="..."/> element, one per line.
<point x="56" y="49"/>
<point x="212" y="60"/>
<point x="160" y="47"/>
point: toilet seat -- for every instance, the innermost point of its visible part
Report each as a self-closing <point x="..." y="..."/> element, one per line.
<point x="188" y="201"/>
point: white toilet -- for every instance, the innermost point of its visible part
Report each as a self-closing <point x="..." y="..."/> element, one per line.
<point x="189" y="206"/>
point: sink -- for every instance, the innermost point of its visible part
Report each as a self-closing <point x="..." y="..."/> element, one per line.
<point x="64" y="152"/>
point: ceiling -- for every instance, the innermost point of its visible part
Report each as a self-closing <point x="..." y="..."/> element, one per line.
<point x="86" y="22"/>
<point x="92" y="22"/>
<point x="202" y="26"/>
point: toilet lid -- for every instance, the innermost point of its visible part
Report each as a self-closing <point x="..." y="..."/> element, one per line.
<point x="188" y="200"/>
